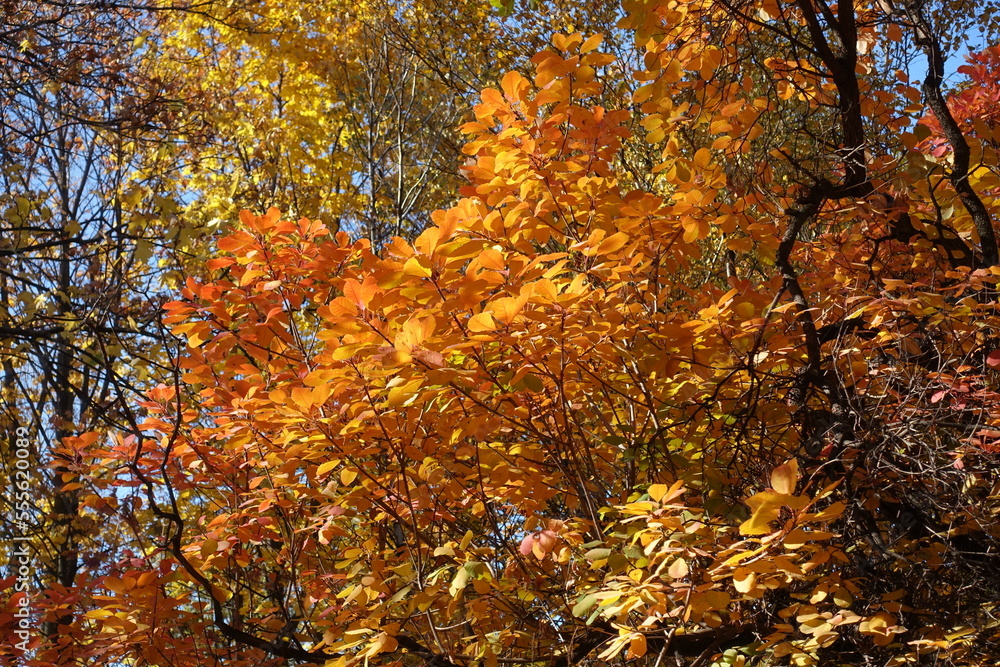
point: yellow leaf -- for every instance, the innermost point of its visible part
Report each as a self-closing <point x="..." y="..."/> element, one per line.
<point x="545" y="290"/>
<point x="414" y="267"/>
<point x="744" y="580"/>
<point x="843" y="598"/>
<point x="766" y="506"/>
<point x="784" y="477"/>
<point x="482" y="322"/>
<point x="657" y="491"/>
<point x="758" y="524"/>
<point x="799" y="537"/>
<point x="881" y="628"/>
<point x="830" y="513"/>
<point x="466" y="540"/>
<point x="460" y="581"/>
<point x="404" y="394"/>
<point x="249" y="276"/>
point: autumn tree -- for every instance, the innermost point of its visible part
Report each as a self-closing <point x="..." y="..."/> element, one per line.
<point x="738" y="407"/>
<point x="109" y="116"/>
<point x="83" y="253"/>
<point x="70" y="285"/>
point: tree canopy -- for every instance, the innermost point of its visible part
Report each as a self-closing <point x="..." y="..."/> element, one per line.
<point x="653" y="334"/>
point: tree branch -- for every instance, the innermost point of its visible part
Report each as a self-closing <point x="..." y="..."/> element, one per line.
<point x="924" y="37"/>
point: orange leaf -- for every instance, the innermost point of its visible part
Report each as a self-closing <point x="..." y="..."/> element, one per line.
<point x="505" y="309"/>
<point x="482" y="322"/>
<point x="591" y="43"/>
<point x="637" y="646"/>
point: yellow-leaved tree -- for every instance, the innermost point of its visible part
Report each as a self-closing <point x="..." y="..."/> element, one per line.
<point x="341" y="111"/>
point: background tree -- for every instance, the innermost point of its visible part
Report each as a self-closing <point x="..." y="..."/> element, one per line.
<point x="75" y="291"/>
<point x="342" y="111"/>
<point x="82" y="256"/>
